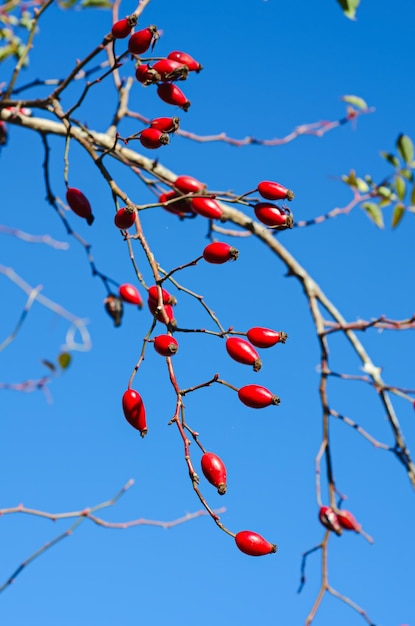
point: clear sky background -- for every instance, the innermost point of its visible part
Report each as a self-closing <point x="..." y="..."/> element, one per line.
<point x="268" y="67"/>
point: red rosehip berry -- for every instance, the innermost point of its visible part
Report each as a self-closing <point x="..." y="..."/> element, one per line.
<point x="265" y="337"/>
<point x="219" y="252"/>
<point x="114" y="308"/>
<point x="243" y="352"/>
<point x="129" y="293"/>
<point x="257" y="397"/>
<point x="166" y="345"/>
<point x="181" y="207"/>
<point x="329" y="519"/>
<point x="152" y="138"/>
<point x="79" y="204"/>
<point x="134" y="411"/>
<point x="274" y="191"/>
<point x="143" y="39"/>
<point x="215" y="471"/>
<point x="171" y="94"/>
<point x="271" y="215"/>
<point x="124" y="219"/>
<point x="171" y="70"/>
<point x="167" y="298"/>
<point x="348" y="521"/>
<point x="146" y="75"/>
<point x="152" y="305"/>
<point x="253" y="544"/>
<point x="123" y="28"/>
<point x="188" y="184"/>
<point x="186" y="59"/>
<point x="165" y="124"/>
<point x="207" y="207"/>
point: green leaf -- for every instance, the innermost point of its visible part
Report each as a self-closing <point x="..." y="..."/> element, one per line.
<point x="400" y="187"/>
<point x="408" y="174"/>
<point x="49" y="365"/>
<point x="67" y="4"/>
<point x="384" y="191"/>
<point x="384" y="202"/>
<point x="405" y="148"/>
<point x="100" y="4"/>
<point x="349" y="7"/>
<point x="413" y="196"/>
<point x="398" y="212"/>
<point x="391" y="158"/>
<point x="362" y="185"/>
<point x="355" y="101"/>
<point x="374" y="213"/>
<point x="64" y="360"/>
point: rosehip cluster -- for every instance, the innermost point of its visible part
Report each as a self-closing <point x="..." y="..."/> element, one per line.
<point x="339" y="520"/>
<point x="157" y="134"/>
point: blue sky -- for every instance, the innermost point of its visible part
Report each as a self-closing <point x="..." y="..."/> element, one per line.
<point x="268" y="67"/>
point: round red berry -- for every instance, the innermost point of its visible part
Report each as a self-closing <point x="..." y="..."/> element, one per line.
<point x="134" y="410"/>
<point x="123" y="28"/>
<point x="143" y="39"/>
<point x="171" y="94"/>
<point x="124" y="219"/>
<point x="271" y="215"/>
<point x="166" y="345"/>
<point x="146" y="75"/>
<point x="219" y="252"/>
<point x="181" y="208"/>
<point x="167" y="298"/>
<point x="253" y="544"/>
<point x="129" y="293"/>
<point x="348" y="521"/>
<point x="257" y="397"/>
<point x="171" y="70"/>
<point x="207" y="207"/>
<point x="152" y="138"/>
<point x="188" y="184"/>
<point x="186" y="59"/>
<point x="243" y="352"/>
<point x="152" y="305"/>
<point x="274" y="191"/>
<point x="265" y="337"/>
<point x="215" y="471"/>
<point x="165" y="124"/>
<point x="329" y="519"/>
<point x="79" y="204"/>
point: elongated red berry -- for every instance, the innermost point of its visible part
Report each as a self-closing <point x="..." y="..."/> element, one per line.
<point x="123" y="28"/>
<point x="265" y="337"/>
<point x="274" y="191"/>
<point x="243" y="352"/>
<point x="143" y="39"/>
<point x="129" y="293"/>
<point x="215" y="471"/>
<point x="220" y="252"/>
<point x="146" y="75"/>
<point x="186" y="59"/>
<point x="171" y="70"/>
<point x="253" y="544"/>
<point x="207" y="207"/>
<point x="171" y="94"/>
<point x="348" y="521"/>
<point x="152" y="305"/>
<point x="152" y="138"/>
<point x="165" y="124"/>
<point x="79" y="204"/>
<point x="114" y="308"/>
<point x="167" y="298"/>
<point x="181" y="208"/>
<point x="124" y="219"/>
<point x="257" y="397"/>
<point x="134" y="411"/>
<point x="166" y="345"/>
<point x="273" y="216"/>
<point x="329" y="519"/>
<point x="188" y="184"/>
